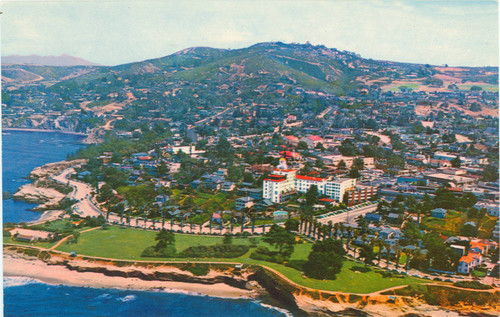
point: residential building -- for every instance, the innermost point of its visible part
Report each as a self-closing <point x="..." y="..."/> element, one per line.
<point x="360" y="194"/>
<point x="468" y="262"/>
<point x="243" y="202"/>
<point x="439" y="213"/>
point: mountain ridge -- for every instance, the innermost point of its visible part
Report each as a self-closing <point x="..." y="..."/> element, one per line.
<point x="46" y="60"/>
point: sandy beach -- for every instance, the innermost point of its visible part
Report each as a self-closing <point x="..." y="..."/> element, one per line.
<point x="57" y="274"/>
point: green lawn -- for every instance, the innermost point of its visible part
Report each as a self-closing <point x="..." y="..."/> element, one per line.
<point x="128" y="243"/>
<point x="397" y="87"/>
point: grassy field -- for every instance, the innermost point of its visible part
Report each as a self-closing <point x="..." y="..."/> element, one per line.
<point x="397" y="87"/>
<point x="128" y="243"/>
<point x="486" y="87"/>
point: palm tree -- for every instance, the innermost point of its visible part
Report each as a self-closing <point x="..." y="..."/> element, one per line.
<point x="398" y="254"/>
<point x="190" y="225"/>
<point x="163" y="219"/>
<point x="388" y="253"/>
<point x="182" y="225"/>
<point x="380" y="245"/>
<point x="409" y="254"/>
<point x="232" y="225"/>
<point x="210" y="224"/>
<point x="336" y="229"/>
<point x="121" y="216"/>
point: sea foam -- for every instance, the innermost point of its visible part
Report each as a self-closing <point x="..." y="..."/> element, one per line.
<point x="11" y="281"/>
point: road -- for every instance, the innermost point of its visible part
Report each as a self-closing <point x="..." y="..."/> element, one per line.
<point x="349" y="216"/>
<point x="81" y="192"/>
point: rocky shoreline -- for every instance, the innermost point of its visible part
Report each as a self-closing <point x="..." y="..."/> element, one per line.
<point x="44" y="191"/>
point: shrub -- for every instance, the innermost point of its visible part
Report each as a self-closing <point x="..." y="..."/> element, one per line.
<point x="296" y="264"/>
<point x="472" y="284"/>
<point x="214" y="251"/>
<point x="199" y="269"/>
<point x="166" y="252"/>
<point x="264" y="254"/>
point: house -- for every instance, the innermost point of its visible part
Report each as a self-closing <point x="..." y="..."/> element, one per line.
<point x="492" y="208"/>
<point x="373" y="217"/>
<point x="212" y="182"/>
<point x="469" y="262"/>
<point x="243" y="202"/>
<point x="460" y="249"/>
<point x="439" y="213"/>
<point x="264" y="204"/>
<point x="312" y="140"/>
<point x="393" y="217"/>
<point x="216" y="217"/>
<point x="478" y="247"/>
<point x="227" y="186"/>
<point x="255" y="193"/>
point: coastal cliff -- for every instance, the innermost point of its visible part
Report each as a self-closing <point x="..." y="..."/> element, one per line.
<point x="226" y="280"/>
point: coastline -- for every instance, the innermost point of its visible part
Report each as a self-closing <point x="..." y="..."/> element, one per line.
<point x="58" y="268"/>
<point x="44" y="130"/>
<point x="57" y="275"/>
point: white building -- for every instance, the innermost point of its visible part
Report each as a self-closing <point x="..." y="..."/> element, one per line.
<point x="279" y="184"/>
<point x="304" y="183"/>
<point x="468" y="262"/>
<point x="337" y="188"/>
<point x="284" y="182"/>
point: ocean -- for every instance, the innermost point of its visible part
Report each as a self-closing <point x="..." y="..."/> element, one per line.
<point x="29" y="297"/>
<point x="21" y="153"/>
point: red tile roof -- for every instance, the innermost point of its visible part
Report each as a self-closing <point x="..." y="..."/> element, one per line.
<point x="314" y="138"/>
<point x="309" y="178"/>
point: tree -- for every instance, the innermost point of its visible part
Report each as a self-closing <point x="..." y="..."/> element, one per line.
<point x="490" y="173"/>
<point x="341" y="165"/>
<point x="312" y="195"/>
<point x="456" y="162"/>
<point x="167" y="236"/>
<point x="468" y="200"/>
<point x="354" y="173"/>
<point x="292" y="225"/>
<point x="366" y="253"/>
<point x="228" y="239"/>
<point x="411" y="232"/>
<point x="162" y="168"/>
<point x="358" y="163"/>
<point x="325" y="260"/>
<point x="302" y="145"/>
<point x="362" y="224"/>
<point x="469" y="230"/>
<point x="281" y="238"/>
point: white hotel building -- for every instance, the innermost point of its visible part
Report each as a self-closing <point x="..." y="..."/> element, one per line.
<point x="284" y="182"/>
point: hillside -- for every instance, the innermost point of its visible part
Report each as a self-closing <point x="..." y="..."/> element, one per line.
<point x="197" y="84"/>
<point x="62" y="60"/>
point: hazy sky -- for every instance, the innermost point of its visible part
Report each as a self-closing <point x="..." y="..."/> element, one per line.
<point x="457" y="33"/>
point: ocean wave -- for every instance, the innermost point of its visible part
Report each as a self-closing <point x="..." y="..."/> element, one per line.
<point x="179" y="291"/>
<point x="104" y="296"/>
<point x="281" y="310"/>
<point x="127" y="298"/>
<point x="10" y="281"/>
